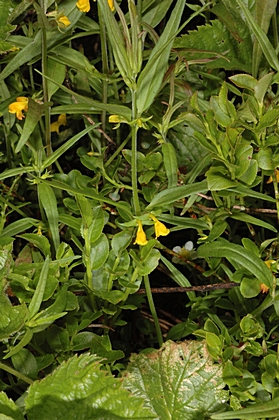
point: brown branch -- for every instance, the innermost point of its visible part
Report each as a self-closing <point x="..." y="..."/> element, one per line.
<point x="202" y="288"/>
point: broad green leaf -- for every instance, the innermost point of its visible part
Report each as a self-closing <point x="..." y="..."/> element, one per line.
<point x="12" y="317"/>
<point x="49" y="203"/>
<point x="244" y="81"/>
<point x="99" y="252"/>
<point x="266" y="410"/>
<point x="263" y="13"/>
<point x="179" y="381"/>
<point x="37" y="298"/>
<point x="268" y="119"/>
<point x="97" y="225"/>
<point x="56" y="71"/>
<point x="79" y="386"/>
<point x="17" y="227"/>
<point x="266" y="46"/>
<point x="151" y="77"/>
<point x="16" y="171"/>
<point x="8" y="409"/>
<point x="24" y="362"/>
<point x="253" y="220"/>
<point x="154" y="11"/>
<point x="171" y="195"/>
<point x="39" y="241"/>
<point x="247" y="192"/>
<point x="121" y="241"/>
<point x="236" y="254"/>
<point x="170" y="163"/>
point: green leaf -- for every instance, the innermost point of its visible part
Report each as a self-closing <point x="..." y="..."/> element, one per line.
<point x="37" y="298"/>
<point x="171" y="195"/>
<point x="79" y="386"/>
<point x="263" y="13"/>
<point x="269" y="409"/>
<point x="170" y="163"/>
<point x="34" y="114"/>
<point x="57" y="72"/>
<point x="12" y="317"/>
<point x="17" y="227"/>
<point x="8" y="409"/>
<point x="65" y="147"/>
<point x="24" y="362"/>
<point x="151" y="77"/>
<point x="265" y="45"/>
<point x="236" y="254"/>
<point x="99" y="252"/>
<point x="49" y="203"/>
<point x="253" y="220"/>
<point x="178" y="277"/>
<point x="179" y="381"/>
<point x="39" y="241"/>
<point x="215" y="41"/>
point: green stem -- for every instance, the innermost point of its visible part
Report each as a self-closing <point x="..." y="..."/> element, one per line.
<point x="153" y="310"/>
<point x="16" y="373"/>
<point x="134" y="156"/>
<point x="276" y="192"/>
<point x="105" y="65"/>
<point x="45" y="89"/>
<point x="116" y="153"/>
<point x="89" y="275"/>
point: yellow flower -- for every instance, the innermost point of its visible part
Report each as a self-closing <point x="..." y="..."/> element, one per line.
<point x="269" y="181"/>
<point x="63" y="22"/>
<point x="56" y="125"/>
<point x="160" y="228"/>
<point x="83" y="5"/>
<point x="114" y="118"/>
<point x="17" y="107"/>
<point x="111" y="5"/>
<point x="141" y="237"/>
<point x="264" y="288"/>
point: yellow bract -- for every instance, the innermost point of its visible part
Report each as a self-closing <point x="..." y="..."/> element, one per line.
<point x="141" y="237"/>
<point x="160" y="228"/>
<point x="17" y="107"/>
<point x="62" y="120"/>
<point x="84" y="5"/>
<point x="63" y="22"/>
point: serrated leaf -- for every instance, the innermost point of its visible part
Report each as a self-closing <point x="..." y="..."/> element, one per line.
<point x="79" y="386"/>
<point x="213" y="39"/>
<point x="179" y="381"/>
<point x="8" y="409"/>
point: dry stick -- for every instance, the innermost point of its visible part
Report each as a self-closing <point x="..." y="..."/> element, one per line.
<point x="202" y="288"/>
<point x="241" y="208"/>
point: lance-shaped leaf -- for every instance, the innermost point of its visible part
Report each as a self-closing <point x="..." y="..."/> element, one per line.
<point x="150" y="79"/>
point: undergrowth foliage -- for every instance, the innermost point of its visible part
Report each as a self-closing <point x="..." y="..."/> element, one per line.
<point x="139" y="156"/>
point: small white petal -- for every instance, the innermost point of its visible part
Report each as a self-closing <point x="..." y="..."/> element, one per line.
<point x="177" y="249"/>
<point x="189" y="246"/>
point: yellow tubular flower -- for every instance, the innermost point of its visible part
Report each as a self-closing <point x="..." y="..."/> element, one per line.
<point x="160" y="228"/>
<point x="62" y="120"/>
<point x="141" y="237"/>
<point x="17" y="107"/>
<point x="63" y="22"/>
<point x="270" y="178"/>
<point x="264" y="288"/>
<point x="111" y="5"/>
<point x="83" y="5"/>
